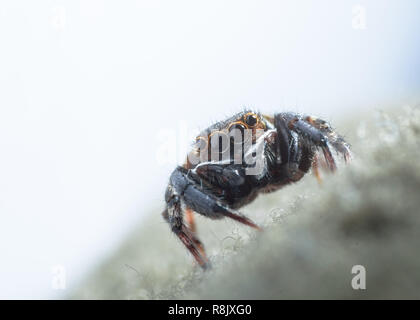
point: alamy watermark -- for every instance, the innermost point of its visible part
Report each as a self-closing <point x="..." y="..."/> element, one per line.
<point x="359" y="17"/>
<point x="234" y="145"/>
<point x="58" y="277"/>
<point x="58" y="18"/>
<point x="358" y="282"/>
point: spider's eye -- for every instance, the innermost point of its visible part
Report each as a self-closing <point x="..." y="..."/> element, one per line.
<point x="251" y="119"/>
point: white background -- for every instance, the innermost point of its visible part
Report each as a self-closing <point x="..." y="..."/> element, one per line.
<point x="88" y="90"/>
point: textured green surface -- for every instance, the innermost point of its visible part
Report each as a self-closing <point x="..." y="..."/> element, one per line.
<point x="368" y="213"/>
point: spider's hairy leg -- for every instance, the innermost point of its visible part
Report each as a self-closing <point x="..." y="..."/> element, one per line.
<point x="183" y="192"/>
<point x="204" y="202"/>
<point x="226" y="177"/>
<point x="315" y="136"/>
<point x="336" y="140"/>
<point x="315" y="169"/>
<point x="173" y="214"/>
<point x="190" y="241"/>
<point x="189" y="216"/>
<point x="282" y="141"/>
<point x="288" y="155"/>
<point x="208" y="205"/>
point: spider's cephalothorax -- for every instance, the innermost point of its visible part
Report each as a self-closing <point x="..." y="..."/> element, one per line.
<point x="234" y="160"/>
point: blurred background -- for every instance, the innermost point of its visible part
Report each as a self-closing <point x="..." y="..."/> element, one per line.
<point x="99" y="99"/>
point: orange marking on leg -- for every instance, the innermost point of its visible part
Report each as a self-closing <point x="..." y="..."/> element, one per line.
<point x="329" y="159"/>
<point x="201" y="249"/>
<point x="189" y="216"/>
<point x="315" y="169"/>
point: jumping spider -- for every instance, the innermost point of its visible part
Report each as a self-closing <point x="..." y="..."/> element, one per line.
<point x="221" y="178"/>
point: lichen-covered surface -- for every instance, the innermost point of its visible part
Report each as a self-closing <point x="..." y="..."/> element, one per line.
<point x="367" y="214"/>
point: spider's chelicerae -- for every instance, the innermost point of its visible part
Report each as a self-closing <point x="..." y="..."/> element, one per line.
<point x="234" y="160"/>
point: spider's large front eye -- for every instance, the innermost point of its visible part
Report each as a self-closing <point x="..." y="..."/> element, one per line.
<point x="251" y="119"/>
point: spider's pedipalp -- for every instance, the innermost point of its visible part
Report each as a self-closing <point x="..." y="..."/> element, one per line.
<point x="316" y="137"/>
<point x="336" y="140"/>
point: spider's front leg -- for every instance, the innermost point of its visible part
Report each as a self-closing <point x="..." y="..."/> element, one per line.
<point x="315" y="136"/>
<point x="231" y="180"/>
<point x="286" y="154"/>
<point x="318" y="133"/>
<point x="184" y="192"/>
<point x="174" y="215"/>
<point x="336" y="140"/>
